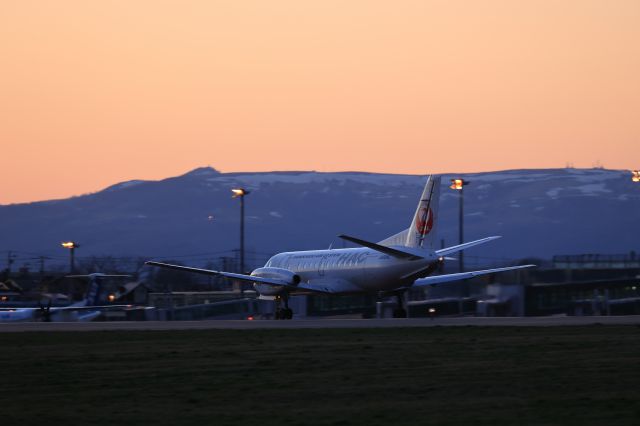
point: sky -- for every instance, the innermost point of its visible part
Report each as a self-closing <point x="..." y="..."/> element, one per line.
<point x="94" y="93"/>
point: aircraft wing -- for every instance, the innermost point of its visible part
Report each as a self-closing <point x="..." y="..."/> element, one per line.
<point x="316" y="287"/>
<point x="86" y="307"/>
<point x="463" y="275"/>
<point x="242" y="277"/>
<point x="459" y="247"/>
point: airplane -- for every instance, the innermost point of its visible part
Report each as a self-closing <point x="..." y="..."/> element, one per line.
<point x="389" y="267"/>
<point x="85" y="310"/>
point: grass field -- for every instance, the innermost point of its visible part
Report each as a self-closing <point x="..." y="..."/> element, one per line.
<point x="445" y="376"/>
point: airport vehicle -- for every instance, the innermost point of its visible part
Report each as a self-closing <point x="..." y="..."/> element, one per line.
<point x="85" y="310"/>
<point x="389" y="267"/>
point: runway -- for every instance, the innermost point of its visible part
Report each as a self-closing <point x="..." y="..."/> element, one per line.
<point x="552" y="321"/>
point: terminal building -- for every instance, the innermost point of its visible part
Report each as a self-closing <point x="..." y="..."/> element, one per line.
<point x="587" y="284"/>
<point x="571" y="285"/>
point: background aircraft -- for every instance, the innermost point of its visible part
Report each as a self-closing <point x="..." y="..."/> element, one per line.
<point x="85" y="310"/>
<point x="390" y="267"/>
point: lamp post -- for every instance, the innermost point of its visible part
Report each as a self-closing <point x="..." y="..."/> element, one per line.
<point x="458" y="184"/>
<point x="72" y="246"/>
<point x="240" y="193"/>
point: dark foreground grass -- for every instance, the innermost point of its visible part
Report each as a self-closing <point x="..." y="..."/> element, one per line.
<point x="445" y="376"/>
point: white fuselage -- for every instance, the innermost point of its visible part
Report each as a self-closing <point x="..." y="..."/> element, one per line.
<point x="17" y="315"/>
<point x="348" y="270"/>
<point x="66" y="314"/>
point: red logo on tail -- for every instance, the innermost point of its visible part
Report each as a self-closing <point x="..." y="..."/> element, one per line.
<point x="424" y="221"/>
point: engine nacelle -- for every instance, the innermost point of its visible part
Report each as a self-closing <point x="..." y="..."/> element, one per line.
<point x="277" y="273"/>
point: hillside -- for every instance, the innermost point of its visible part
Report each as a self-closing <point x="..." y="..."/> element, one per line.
<point x="538" y="212"/>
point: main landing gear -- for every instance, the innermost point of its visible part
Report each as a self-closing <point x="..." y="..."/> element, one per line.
<point x="281" y="313"/>
<point x="400" y="311"/>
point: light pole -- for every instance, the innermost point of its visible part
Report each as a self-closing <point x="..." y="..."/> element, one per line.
<point x="72" y="246"/>
<point x="240" y="193"/>
<point x="458" y="184"/>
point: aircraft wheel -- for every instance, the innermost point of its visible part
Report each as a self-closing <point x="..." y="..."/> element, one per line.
<point x="278" y="314"/>
<point x="287" y="313"/>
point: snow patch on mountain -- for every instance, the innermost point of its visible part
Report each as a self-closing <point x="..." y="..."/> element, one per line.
<point x="554" y="192"/>
<point x="254" y="181"/>
<point x="593" y="189"/>
<point x="124" y="185"/>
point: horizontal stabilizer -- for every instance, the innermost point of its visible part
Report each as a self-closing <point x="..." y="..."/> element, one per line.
<point x="460" y="247"/>
<point x="463" y="275"/>
<point x="400" y="254"/>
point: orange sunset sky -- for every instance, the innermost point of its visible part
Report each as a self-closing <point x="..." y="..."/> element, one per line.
<point x="97" y="92"/>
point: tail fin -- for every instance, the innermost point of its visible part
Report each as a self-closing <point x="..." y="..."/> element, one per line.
<point x="422" y="232"/>
<point x="92" y="296"/>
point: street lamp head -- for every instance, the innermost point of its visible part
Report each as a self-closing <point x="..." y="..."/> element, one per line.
<point x="239" y="192"/>
<point x="635" y="175"/>
<point x="457" y="184"/>
<point x="70" y="244"/>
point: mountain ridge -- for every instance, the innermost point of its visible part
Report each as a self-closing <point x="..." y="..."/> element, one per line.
<point x="540" y="212"/>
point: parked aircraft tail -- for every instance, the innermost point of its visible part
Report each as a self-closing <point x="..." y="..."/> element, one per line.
<point x="92" y="296"/>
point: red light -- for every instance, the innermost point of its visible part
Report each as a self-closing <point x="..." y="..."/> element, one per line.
<point x="250" y="318"/>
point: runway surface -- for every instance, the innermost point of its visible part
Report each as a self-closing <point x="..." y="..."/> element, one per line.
<point x="323" y="323"/>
